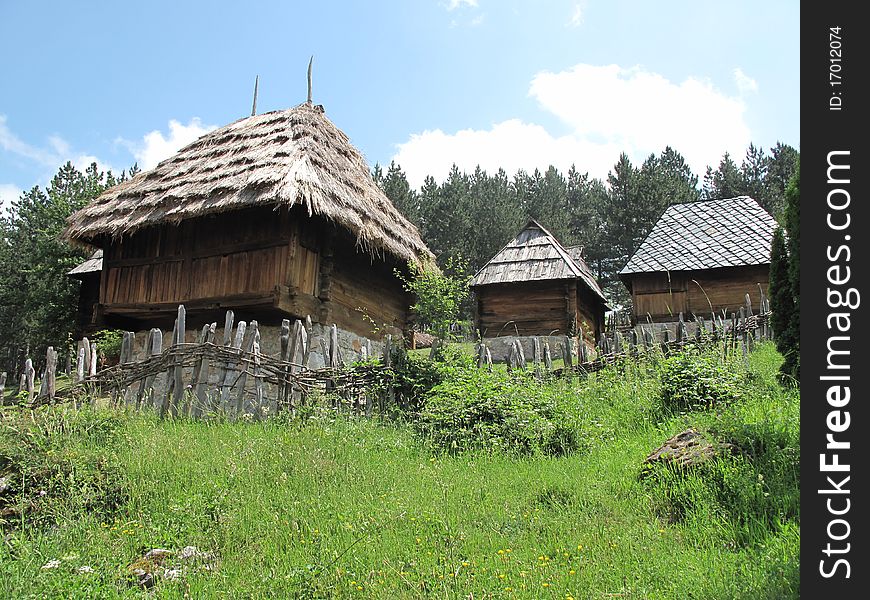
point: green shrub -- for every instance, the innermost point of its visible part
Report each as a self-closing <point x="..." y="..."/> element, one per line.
<point x="59" y="464"/>
<point x="693" y="379"/>
<point x="109" y="343"/>
<point x="494" y="411"/>
<point x="413" y="376"/>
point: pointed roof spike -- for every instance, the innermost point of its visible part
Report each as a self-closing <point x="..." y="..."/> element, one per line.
<point x="256" y="85"/>
<point x="310" y="61"/>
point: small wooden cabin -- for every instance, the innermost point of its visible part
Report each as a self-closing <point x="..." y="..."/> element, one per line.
<point x="535" y="287"/>
<point x="700" y="258"/>
<point x="276" y="214"/>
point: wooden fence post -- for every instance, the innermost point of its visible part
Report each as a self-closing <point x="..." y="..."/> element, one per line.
<point x="2" y="384"/>
<point x="153" y="347"/>
<point x="199" y="401"/>
<point x="230" y="370"/>
<point x="548" y="358"/>
<point x="284" y="384"/>
<point x="92" y="370"/>
<point x="390" y="393"/>
<point x="243" y="376"/>
<point x="47" y="388"/>
<point x="29" y="373"/>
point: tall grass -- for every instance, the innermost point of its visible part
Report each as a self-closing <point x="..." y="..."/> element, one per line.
<point x="348" y="508"/>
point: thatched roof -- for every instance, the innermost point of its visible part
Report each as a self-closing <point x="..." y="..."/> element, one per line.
<point x="535" y="255"/>
<point x="280" y="158"/>
<point x="93" y="265"/>
<point x="732" y="232"/>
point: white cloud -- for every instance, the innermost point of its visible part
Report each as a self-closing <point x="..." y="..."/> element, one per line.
<point x="454" y="4"/>
<point x="511" y="145"/>
<point x="609" y="109"/>
<point x="156" y="147"/>
<point x="11" y="143"/>
<point x="8" y="193"/>
<point x="57" y="152"/>
<point x="576" y="16"/>
<point x="745" y="83"/>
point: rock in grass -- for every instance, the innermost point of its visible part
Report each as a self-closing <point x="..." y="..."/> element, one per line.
<point x="686" y="449"/>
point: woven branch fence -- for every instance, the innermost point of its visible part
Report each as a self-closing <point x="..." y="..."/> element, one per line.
<point x="233" y="377"/>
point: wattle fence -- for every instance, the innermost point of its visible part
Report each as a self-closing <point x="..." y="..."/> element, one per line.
<point x="234" y="378"/>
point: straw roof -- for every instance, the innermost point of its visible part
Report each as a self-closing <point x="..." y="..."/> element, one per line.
<point x="731" y="232"/>
<point x="535" y="255"/>
<point x="279" y="158"/>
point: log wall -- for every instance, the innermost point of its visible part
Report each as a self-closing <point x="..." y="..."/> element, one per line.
<point x="536" y="308"/>
<point x="358" y="281"/>
<point x="664" y="297"/>
<point x="284" y="262"/>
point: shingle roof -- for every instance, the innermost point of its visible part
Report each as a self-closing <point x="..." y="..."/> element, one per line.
<point x="92" y="265"/>
<point x="706" y="235"/>
<point x="535" y="255"/>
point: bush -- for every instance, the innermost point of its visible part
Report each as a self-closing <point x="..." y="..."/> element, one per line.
<point x="493" y="411"/>
<point x="413" y="377"/>
<point x="109" y="343"/>
<point x="692" y="379"/>
<point x="59" y="464"/>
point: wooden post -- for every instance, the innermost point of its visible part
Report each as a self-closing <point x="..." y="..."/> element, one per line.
<point x="754" y="334"/>
<point x="229" y="379"/>
<point x="80" y="365"/>
<point x="617" y="342"/>
<point x="744" y="333"/>
<point x="548" y="359"/>
<point x="153" y="347"/>
<point x="48" y="381"/>
<point x="733" y="332"/>
<point x="29" y="374"/>
<point x="86" y="345"/>
<point x="298" y="356"/>
<point x="510" y="357"/>
<point x="92" y="371"/>
<point x="569" y="353"/>
<point x="259" y="393"/>
<point x="536" y="355"/>
<point x="243" y="376"/>
<point x="281" y="400"/>
<point x="481" y="355"/>
<point x="521" y="355"/>
<point x="2" y="385"/>
<point x="200" y="400"/>
<point x="584" y="353"/>
<point x="390" y="397"/>
<point x="489" y="360"/>
<point x="681" y="330"/>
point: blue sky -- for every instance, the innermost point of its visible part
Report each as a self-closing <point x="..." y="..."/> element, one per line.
<point x="512" y="83"/>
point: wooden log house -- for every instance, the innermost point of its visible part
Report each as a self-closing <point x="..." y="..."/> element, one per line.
<point x="700" y="258"/>
<point x="536" y="287"/>
<point x="276" y="213"/>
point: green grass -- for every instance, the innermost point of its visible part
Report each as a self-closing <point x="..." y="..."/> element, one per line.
<point x="348" y="508"/>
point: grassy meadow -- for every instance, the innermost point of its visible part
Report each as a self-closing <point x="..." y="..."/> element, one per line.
<point x="548" y="499"/>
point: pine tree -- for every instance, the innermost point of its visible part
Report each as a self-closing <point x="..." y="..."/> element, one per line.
<point x="781" y="299"/>
<point x="791" y="366"/>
